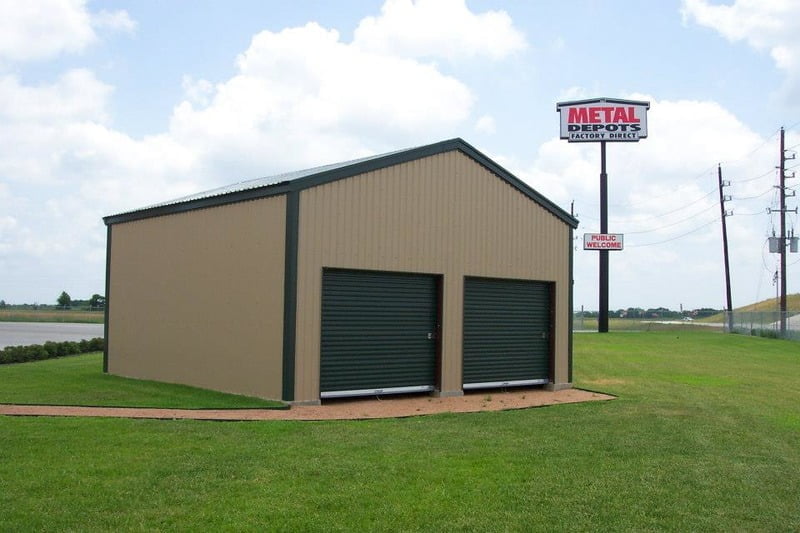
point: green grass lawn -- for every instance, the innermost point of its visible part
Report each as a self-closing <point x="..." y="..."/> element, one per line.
<point x="79" y="380"/>
<point x="51" y="315"/>
<point x="704" y="436"/>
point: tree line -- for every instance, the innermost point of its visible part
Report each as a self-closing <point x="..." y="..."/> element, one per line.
<point x="96" y="302"/>
<point x="654" y="312"/>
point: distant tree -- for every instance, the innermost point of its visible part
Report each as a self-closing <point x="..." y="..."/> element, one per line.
<point x="634" y="312"/>
<point x="64" y="300"/>
<point x="704" y="312"/>
<point x="2" y="304"/>
<point x="97" y="302"/>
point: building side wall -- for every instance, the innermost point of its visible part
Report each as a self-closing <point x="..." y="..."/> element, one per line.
<point x="443" y="214"/>
<point x="197" y="298"/>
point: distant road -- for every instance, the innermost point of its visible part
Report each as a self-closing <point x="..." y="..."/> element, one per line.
<point x="24" y="333"/>
<point x="685" y="323"/>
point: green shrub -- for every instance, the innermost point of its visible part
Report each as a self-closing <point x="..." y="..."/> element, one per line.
<point x="71" y="348"/>
<point x="61" y="349"/>
<point x="35" y="352"/>
<point x="98" y="344"/>
<point x="49" y="350"/>
<point x="10" y="354"/>
<point x="52" y="348"/>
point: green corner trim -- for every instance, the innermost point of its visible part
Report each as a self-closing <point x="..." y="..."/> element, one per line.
<point x="108" y="299"/>
<point x="290" y="293"/>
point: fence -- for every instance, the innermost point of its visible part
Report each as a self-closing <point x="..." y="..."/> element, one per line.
<point x="767" y="324"/>
<point x="580" y="322"/>
<point x="756" y="323"/>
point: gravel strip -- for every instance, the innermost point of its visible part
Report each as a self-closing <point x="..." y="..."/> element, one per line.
<point x="350" y="409"/>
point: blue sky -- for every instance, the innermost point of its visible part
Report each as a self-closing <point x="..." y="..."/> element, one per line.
<point x="108" y="106"/>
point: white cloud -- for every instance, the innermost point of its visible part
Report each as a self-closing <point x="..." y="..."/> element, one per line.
<point x="42" y="29"/>
<point x="438" y="28"/>
<point x="197" y="92"/>
<point x="302" y="95"/>
<point x="114" y="20"/>
<point x="573" y="93"/>
<point x="35" y="121"/>
<point x="299" y="97"/>
<point x="772" y="25"/>
<point x="76" y="95"/>
<point x="486" y="124"/>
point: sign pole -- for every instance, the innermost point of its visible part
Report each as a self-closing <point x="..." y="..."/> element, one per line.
<point x="602" y="319"/>
<point x="603" y="120"/>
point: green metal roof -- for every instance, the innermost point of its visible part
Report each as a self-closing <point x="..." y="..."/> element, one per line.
<point x="303" y="179"/>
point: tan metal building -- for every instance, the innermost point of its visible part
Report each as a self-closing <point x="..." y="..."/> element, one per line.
<point x="427" y="269"/>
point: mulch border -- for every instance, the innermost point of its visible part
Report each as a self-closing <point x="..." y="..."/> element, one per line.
<point x="351" y="409"/>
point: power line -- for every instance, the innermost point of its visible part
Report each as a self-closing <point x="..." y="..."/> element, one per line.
<point x="770" y="171"/>
<point x="793" y="146"/>
<point x="684" y="206"/>
<point x="652" y="197"/>
<point x="753" y="197"/>
<point x="674" y="238"/>
<point x="754" y="150"/>
<point x="657" y="216"/>
<point x="712" y="206"/>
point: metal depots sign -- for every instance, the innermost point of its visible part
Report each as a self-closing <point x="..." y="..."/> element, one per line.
<point x="602" y="241"/>
<point x="603" y="119"/>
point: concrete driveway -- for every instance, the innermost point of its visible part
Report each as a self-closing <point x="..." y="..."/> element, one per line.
<point x="25" y="333"/>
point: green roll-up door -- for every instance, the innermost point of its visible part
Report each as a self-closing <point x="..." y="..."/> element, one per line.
<point x="378" y="333"/>
<point x="507" y="330"/>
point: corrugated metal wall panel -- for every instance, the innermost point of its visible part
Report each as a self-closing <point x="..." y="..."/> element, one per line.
<point x="376" y="331"/>
<point x="506" y="331"/>
<point x="444" y="215"/>
<point x="196" y="298"/>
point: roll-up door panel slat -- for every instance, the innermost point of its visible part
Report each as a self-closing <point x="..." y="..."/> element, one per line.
<point x="375" y="330"/>
<point x="506" y="330"/>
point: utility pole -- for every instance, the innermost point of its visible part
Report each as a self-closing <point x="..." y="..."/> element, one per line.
<point x="782" y="189"/>
<point x="724" y="213"/>
<point x="779" y="244"/>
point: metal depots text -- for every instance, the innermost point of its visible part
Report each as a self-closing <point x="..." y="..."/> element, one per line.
<point x="603" y="119"/>
<point x="603" y="122"/>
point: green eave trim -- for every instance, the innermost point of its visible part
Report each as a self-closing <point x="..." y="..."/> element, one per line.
<point x="202" y="203"/>
<point x="347" y="171"/>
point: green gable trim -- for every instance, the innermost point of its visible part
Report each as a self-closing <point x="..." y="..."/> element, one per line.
<point x="346" y="171"/>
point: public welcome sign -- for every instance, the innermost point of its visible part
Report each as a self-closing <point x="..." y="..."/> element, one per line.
<point x="603" y="119"/>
